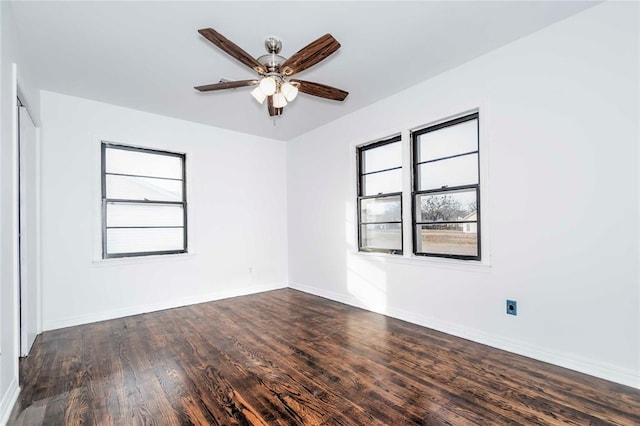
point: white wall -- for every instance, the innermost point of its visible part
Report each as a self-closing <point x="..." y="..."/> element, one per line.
<point x="10" y="61"/>
<point x="237" y="214"/>
<point x="559" y="116"/>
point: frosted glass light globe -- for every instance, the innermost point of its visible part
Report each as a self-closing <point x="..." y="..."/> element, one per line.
<point x="289" y="91"/>
<point x="268" y="86"/>
<point x="279" y="101"/>
<point x="258" y="94"/>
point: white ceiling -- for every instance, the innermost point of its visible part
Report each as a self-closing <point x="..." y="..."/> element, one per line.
<point x="148" y="55"/>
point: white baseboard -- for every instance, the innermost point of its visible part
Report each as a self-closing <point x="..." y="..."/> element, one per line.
<point x="594" y="368"/>
<point x="152" y="307"/>
<point x="8" y="401"/>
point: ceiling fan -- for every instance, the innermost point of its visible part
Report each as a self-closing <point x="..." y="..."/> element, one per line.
<point x="274" y="81"/>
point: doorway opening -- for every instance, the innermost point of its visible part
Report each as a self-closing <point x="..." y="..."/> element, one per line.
<point x="28" y="228"/>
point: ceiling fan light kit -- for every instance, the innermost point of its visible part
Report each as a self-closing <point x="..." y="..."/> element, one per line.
<point x="274" y="71"/>
<point x="282" y="91"/>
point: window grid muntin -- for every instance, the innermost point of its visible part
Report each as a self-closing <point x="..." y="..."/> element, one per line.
<point x="360" y="184"/>
<point x="381" y="171"/>
<point x="417" y="192"/>
<point x="142" y="176"/>
<point x="105" y="200"/>
<point x="446" y="158"/>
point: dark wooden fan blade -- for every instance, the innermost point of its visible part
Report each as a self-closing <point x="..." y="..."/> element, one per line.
<point x="226" y="85"/>
<point x="273" y="111"/>
<point x="320" y="90"/>
<point x="232" y="49"/>
<point x="310" y="55"/>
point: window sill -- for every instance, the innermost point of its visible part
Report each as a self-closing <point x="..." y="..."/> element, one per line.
<point x="161" y="258"/>
<point x="410" y="259"/>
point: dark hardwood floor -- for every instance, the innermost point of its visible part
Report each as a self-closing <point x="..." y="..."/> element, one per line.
<point x="286" y="357"/>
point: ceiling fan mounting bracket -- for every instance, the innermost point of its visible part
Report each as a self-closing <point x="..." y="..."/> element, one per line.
<point x="273" y="45"/>
<point x="272" y="61"/>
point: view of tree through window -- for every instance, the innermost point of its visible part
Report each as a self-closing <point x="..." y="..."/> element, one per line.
<point x="143" y="201"/>
<point x="447" y="189"/>
<point x="380" y="197"/>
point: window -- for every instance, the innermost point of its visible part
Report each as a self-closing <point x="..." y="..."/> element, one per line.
<point x="380" y="197"/>
<point x="446" y="189"/>
<point x="144" y="208"/>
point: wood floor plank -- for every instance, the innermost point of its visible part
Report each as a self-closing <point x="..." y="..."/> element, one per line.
<point x="290" y="358"/>
<point x="285" y="380"/>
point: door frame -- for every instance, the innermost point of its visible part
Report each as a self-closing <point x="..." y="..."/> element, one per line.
<point x="19" y="100"/>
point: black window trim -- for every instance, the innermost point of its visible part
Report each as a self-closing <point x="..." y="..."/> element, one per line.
<point x="105" y="200"/>
<point x="415" y="193"/>
<point x="360" y="197"/>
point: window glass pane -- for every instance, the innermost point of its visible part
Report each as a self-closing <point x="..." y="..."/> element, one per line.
<point x="144" y="215"/>
<point x="382" y="183"/>
<point x="143" y="163"/>
<point x="137" y="188"/>
<point x="448" y="173"/>
<point x="386" y="209"/>
<point x="448" y="238"/>
<point x="382" y="158"/>
<point x="447" y="206"/>
<point x="144" y="240"/>
<point x="448" y="141"/>
<point x="381" y="236"/>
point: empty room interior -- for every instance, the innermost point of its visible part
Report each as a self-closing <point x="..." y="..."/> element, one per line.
<point x="319" y="212"/>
